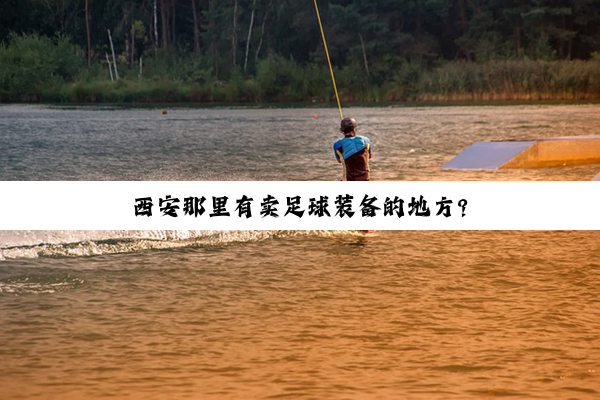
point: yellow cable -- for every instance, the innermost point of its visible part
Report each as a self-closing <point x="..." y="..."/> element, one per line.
<point x="337" y="97"/>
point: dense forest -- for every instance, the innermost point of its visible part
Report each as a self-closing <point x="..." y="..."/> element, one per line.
<point x="271" y="50"/>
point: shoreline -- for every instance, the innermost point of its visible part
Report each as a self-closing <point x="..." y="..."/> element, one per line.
<point x="307" y="105"/>
<point x="128" y="92"/>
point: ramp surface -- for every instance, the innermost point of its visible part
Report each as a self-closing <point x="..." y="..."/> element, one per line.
<point x="554" y="152"/>
<point x="487" y="155"/>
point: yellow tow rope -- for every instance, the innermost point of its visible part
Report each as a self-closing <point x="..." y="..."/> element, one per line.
<point x="337" y="96"/>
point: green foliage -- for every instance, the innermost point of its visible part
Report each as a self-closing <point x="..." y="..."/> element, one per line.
<point x="385" y="32"/>
<point x="28" y="63"/>
<point x="138" y="29"/>
<point x="404" y="86"/>
<point x="276" y="73"/>
<point x="380" y="49"/>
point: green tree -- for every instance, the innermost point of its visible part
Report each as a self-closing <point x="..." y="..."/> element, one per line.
<point x="29" y="61"/>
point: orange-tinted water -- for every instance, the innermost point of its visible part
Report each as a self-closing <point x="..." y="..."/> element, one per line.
<point x="417" y="315"/>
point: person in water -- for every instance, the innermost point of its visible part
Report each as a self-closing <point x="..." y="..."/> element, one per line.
<point x="354" y="152"/>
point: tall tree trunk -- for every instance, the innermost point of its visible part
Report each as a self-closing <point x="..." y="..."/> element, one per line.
<point x="127" y="51"/>
<point x="164" y="24"/>
<point x="196" y="29"/>
<point x="249" y="35"/>
<point x="173" y="24"/>
<point x="132" y="46"/>
<point x="419" y="22"/>
<point x="87" y="28"/>
<point x="155" y="30"/>
<point x="234" y="33"/>
<point x="262" y="31"/>
<point x="213" y="37"/>
<point x="364" y="51"/>
<point x="109" y="67"/>
<point x="112" y="49"/>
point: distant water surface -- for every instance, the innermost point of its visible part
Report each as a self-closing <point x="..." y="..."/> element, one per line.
<point x="411" y="143"/>
<point x="322" y="315"/>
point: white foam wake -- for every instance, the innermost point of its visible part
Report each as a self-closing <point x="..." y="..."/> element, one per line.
<point x="33" y="244"/>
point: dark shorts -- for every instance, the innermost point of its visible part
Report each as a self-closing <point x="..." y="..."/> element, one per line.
<point x="357" y="166"/>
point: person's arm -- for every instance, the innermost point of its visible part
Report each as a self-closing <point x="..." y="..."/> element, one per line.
<point x="337" y="150"/>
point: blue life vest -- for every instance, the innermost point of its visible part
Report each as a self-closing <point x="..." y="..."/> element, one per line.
<point x="350" y="145"/>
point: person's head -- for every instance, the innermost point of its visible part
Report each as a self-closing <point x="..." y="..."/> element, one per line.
<point x="348" y="126"/>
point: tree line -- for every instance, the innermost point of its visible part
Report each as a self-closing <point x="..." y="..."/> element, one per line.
<point x="219" y="41"/>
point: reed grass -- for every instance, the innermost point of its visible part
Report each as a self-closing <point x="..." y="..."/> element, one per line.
<point x="522" y="80"/>
<point x="282" y="80"/>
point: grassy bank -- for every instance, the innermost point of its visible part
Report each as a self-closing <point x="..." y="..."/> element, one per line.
<point x="505" y="81"/>
<point x="454" y="82"/>
<point x="41" y="69"/>
<point x="522" y="80"/>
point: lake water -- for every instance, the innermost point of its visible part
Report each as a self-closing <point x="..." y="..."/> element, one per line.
<point x="291" y="314"/>
<point x="103" y="143"/>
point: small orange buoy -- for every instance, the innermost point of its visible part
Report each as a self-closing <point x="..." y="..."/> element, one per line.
<point x="164" y="112"/>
